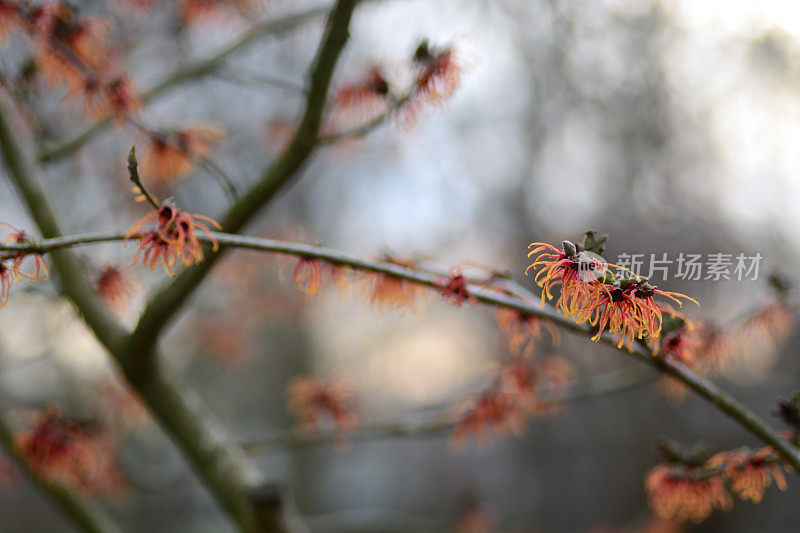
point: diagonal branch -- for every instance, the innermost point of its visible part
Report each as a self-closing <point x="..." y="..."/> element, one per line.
<point x="524" y="303"/>
<point x="218" y="461"/>
<point x="168" y="301"/>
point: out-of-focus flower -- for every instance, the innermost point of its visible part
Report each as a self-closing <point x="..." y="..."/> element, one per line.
<point x="311" y="274"/>
<point x="493" y="410"/>
<point x="9" y="17"/>
<point x="192" y="11"/>
<point x="174" y="238"/>
<point x="120" y="100"/>
<point x="172" y="154"/>
<point x="714" y="345"/>
<point x="681" y="345"/>
<point x="140" y="5"/>
<point x="437" y="76"/>
<point x="389" y="292"/>
<point x="683" y="493"/>
<point x="7" y="278"/>
<point x="62" y="450"/>
<point x="769" y="325"/>
<point x="70" y="49"/>
<point x="750" y="474"/>
<point x="315" y="401"/>
<point x="78" y="39"/>
<point x="116" y="286"/>
<point x="354" y="103"/>
<point x="524" y="330"/>
<point x="307" y="275"/>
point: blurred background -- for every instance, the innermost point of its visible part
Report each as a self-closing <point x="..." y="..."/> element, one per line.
<point x="670" y="125"/>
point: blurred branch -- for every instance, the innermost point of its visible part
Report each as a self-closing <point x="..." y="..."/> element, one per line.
<point x="529" y="306"/>
<point x="168" y="301"/>
<point x="254" y="78"/>
<point x="85" y="515"/>
<point x="440" y="425"/>
<point x="216" y="458"/>
<point x="369" y="126"/>
<point x="187" y="73"/>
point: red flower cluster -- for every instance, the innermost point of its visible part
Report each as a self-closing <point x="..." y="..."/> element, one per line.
<point x="454" y="289"/>
<point x="390" y="292"/>
<point x="196" y="10"/>
<point x="513" y="396"/>
<point x="311" y="274"/>
<point x="11" y="264"/>
<point x="750" y="473"/>
<point x="624" y="307"/>
<point x="314" y="401"/>
<point x="116" y="286"/>
<point x="523" y="330"/>
<point x="174" y="238"/>
<point x="437" y="75"/>
<point x="363" y="99"/>
<point x="493" y="409"/>
<point x="62" y="450"/>
<point x="690" y="488"/>
<point x="74" y="51"/>
<point x="683" y="493"/>
<point x="172" y="154"/>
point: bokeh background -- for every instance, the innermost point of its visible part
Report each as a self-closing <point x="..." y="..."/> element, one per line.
<point x="670" y="125"/>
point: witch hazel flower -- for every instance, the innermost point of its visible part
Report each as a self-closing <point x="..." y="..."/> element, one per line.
<point x="11" y="264"/>
<point x="174" y="238"/>
<point x="590" y="293"/>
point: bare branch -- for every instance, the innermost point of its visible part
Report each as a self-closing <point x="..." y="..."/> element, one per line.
<point x="440" y="425"/>
<point x="187" y="73"/>
<point x="526" y="305"/>
<point x="167" y="302"/>
<point x="210" y="449"/>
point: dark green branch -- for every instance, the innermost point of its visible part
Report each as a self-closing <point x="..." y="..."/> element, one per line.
<point x="525" y="303"/>
<point x="167" y="302"/>
<point x="216" y="458"/>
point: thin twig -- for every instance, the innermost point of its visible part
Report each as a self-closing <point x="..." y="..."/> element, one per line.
<point x="369" y="126"/>
<point x="190" y="72"/>
<point x="133" y="173"/>
<point x="440" y="424"/>
<point x="252" y="78"/>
